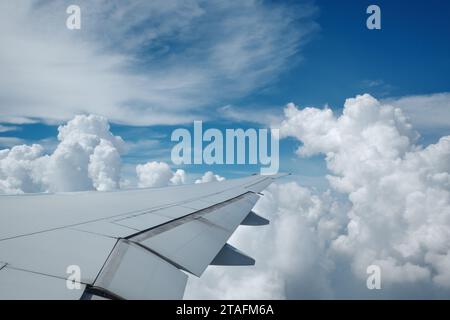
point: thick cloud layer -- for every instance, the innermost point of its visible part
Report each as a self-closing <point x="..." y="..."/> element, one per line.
<point x="290" y="253"/>
<point x="399" y="192"/>
<point x="87" y="157"/>
<point x="389" y="205"/>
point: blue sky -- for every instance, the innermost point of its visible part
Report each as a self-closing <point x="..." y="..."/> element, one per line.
<point x="320" y="54"/>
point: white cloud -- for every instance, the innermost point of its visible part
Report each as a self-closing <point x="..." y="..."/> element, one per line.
<point x="17" y="120"/>
<point x="104" y="166"/>
<point x="10" y="141"/>
<point x="179" y="177"/>
<point x="267" y="116"/>
<point x="426" y="112"/>
<point x="290" y="258"/>
<point x="158" y="174"/>
<point x="154" y="174"/>
<point x="389" y="205"/>
<point x="87" y="157"/>
<point x="141" y="62"/>
<point x="20" y="169"/>
<point x="8" y="128"/>
<point x="398" y="190"/>
<point x="209" y="176"/>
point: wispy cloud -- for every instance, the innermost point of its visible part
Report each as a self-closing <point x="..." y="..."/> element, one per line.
<point x="142" y="62"/>
<point x="8" y="128"/>
<point x="426" y="112"/>
<point x="10" y="142"/>
<point x="377" y="87"/>
<point x="267" y="117"/>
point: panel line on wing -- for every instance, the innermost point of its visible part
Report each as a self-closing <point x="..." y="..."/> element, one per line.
<point x="92" y="232"/>
<point x="148" y="233"/>
<point x="133" y="271"/>
<point x="121" y="225"/>
<point x="113" y="261"/>
<point x="12" y="267"/>
<point x="255" y="183"/>
<point x="143" y="211"/>
<point x="176" y="265"/>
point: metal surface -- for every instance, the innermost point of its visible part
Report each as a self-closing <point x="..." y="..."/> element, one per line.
<point x="252" y="219"/>
<point x="230" y="256"/>
<point x="193" y="241"/>
<point x="166" y="230"/>
<point x="52" y="252"/>
<point x="22" y="285"/>
<point x="133" y="272"/>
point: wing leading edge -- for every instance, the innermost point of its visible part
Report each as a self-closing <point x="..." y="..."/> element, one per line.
<point x="134" y="244"/>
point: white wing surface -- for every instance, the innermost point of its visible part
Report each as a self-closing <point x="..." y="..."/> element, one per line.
<point x="129" y="244"/>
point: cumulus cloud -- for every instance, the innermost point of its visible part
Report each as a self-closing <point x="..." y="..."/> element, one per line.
<point x="209" y="176"/>
<point x="87" y="157"/>
<point x="179" y="177"/>
<point x="389" y="205"/>
<point x="20" y="169"/>
<point x="104" y="166"/>
<point x="158" y="174"/>
<point x="398" y="191"/>
<point x="290" y="258"/>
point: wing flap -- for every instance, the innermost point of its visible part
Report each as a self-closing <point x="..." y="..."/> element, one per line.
<point x="192" y="242"/>
<point x="253" y="219"/>
<point x="230" y="256"/>
<point x="133" y="272"/>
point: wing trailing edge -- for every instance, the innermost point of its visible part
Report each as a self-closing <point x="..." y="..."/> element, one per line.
<point x="230" y="256"/>
<point x="253" y="219"/>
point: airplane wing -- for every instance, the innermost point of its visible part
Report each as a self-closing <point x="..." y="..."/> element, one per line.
<point x="128" y="244"/>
